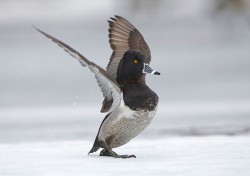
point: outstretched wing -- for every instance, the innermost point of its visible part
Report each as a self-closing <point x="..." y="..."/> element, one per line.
<point x="122" y="37"/>
<point x="109" y="87"/>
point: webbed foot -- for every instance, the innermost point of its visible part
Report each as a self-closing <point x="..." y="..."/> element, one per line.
<point x="106" y="152"/>
<point x="125" y="156"/>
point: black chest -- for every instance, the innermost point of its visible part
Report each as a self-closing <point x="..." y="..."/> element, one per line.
<point x="139" y="96"/>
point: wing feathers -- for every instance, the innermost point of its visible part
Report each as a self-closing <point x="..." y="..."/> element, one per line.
<point x="109" y="87"/>
<point x="117" y="37"/>
<point x="122" y="37"/>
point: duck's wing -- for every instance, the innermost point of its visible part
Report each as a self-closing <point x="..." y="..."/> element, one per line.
<point x="108" y="85"/>
<point x="124" y="36"/>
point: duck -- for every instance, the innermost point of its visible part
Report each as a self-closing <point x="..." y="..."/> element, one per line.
<point x="129" y="104"/>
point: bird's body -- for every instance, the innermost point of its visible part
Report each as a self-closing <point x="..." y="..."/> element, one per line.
<point x="123" y="124"/>
<point x="129" y="103"/>
<point x="131" y="117"/>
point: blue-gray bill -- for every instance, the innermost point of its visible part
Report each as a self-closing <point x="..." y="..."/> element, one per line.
<point x="148" y="69"/>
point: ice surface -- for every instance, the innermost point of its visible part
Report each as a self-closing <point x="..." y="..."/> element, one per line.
<point x="189" y="156"/>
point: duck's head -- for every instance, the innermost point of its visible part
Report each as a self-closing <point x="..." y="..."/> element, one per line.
<point x="132" y="67"/>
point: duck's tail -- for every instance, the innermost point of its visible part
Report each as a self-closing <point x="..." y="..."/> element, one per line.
<point x="95" y="147"/>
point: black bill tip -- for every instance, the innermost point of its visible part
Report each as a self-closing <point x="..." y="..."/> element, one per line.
<point x="157" y="73"/>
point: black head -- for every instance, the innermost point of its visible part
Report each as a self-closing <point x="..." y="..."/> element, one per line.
<point x="132" y="66"/>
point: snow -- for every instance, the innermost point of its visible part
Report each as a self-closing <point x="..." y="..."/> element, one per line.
<point x="214" y="155"/>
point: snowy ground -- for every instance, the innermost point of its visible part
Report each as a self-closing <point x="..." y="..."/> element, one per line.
<point x="196" y="156"/>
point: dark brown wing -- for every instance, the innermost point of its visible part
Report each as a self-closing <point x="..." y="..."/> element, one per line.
<point x="124" y="36"/>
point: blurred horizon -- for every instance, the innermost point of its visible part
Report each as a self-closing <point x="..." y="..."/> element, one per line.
<point x="201" y="48"/>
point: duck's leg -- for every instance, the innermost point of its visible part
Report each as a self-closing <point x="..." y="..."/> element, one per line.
<point x="105" y="152"/>
<point x="110" y="152"/>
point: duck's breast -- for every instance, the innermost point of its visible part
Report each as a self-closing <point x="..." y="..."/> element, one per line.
<point x="123" y="124"/>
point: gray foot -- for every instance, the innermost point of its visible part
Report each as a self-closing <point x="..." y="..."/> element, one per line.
<point x="125" y="156"/>
<point x="106" y="152"/>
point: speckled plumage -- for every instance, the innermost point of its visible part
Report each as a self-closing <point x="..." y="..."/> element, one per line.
<point x="118" y="129"/>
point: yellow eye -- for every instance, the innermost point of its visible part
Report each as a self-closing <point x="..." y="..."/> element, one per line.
<point x="136" y="61"/>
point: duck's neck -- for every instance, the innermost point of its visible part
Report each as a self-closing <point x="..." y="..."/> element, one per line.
<point x="130" y="81"/>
